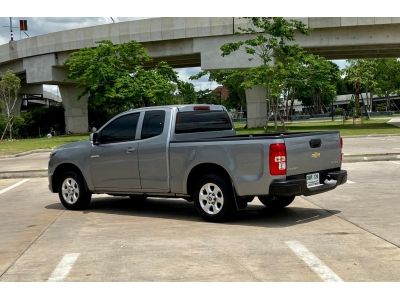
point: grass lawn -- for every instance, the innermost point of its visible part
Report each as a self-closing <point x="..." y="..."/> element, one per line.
<point x="17" y="146"/>
<point x="372" y="126"/>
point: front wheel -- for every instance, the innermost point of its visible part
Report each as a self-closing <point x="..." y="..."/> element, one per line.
<point x="213" y="198"/>
<point x="72" y="191"/>
<point x="276" y="202"/>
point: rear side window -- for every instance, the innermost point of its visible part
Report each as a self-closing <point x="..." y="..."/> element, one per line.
<point x="200" y="121"/>
<point x="120" y="130"/>
<point x="153" y="123"/>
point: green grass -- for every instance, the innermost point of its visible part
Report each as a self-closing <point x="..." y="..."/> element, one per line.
<point x="372" y="126"/>
<point x="18" y="146"/>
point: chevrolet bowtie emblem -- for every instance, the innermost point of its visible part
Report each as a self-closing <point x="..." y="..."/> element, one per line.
<point x="315" y="154"/>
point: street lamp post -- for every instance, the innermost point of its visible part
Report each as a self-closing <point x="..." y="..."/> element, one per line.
<point x="11" y="31"/>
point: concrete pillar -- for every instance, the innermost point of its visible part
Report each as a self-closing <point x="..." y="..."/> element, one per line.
<point x="256" y="106"/>
<point x="75" y="110"/>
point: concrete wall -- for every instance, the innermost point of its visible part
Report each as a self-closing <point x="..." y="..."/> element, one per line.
<point x="256" y="107"/>
<point x="76" y="111"/>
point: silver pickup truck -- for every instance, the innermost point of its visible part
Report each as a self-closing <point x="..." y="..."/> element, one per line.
<point x="193" y="152"/>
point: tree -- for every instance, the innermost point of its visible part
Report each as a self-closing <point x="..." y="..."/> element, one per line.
<point x="360" y="72"/>
<point x="187" y="93"/>
<point x="233" y="80"/>
<point x="9" y="86"/>
<point x="387" y="76"/>
<point x="207" y="96"/>
<point x="118" y="77"/>
<point x="316" y="82"/>
<point x="343" y="86"/>
<point x="268" y="42"/>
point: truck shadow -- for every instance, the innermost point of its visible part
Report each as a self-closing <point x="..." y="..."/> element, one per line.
<point x="179" y="209"/>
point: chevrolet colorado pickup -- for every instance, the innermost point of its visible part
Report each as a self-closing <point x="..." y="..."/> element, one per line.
<point x="193" y="152"/>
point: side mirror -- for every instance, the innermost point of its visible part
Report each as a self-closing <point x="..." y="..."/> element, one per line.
<point x="94" y="138"/>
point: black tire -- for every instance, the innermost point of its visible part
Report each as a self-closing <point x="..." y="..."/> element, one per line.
<point x="217" y="203"/>
<point x="73" y="192"/>
<point x="139" y="198"/>
<point x="276" y="202"/>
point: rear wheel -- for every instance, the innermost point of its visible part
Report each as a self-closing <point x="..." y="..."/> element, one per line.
<point x="276" y="202"/>
<point x="72" y="191"/>
<point x="213" y="198"/>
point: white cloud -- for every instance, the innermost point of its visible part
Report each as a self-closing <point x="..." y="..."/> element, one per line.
<point x="200" y="84"/>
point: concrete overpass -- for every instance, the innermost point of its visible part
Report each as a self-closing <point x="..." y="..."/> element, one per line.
<point x="187" y="42"/>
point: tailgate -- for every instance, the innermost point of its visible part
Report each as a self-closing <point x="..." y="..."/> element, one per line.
<point x="311" y="152"/>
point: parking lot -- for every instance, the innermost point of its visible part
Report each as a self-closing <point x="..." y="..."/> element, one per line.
<point x="348" y="234"/>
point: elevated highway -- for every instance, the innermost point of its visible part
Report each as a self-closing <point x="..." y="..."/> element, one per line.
<point x="188" y="42"/>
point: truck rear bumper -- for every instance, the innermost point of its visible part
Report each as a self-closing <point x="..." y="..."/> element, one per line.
<point x="297" y="187"/>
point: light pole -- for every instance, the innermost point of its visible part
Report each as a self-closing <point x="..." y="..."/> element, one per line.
<point x="11" y="31"/>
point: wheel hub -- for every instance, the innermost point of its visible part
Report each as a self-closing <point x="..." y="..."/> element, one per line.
<point x="70" y="190"/>
<point x="211" y="198"/>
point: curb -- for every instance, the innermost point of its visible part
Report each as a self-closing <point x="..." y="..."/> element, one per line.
<point x="26" y="153"/>
<point x="23" y="174"/>
<point x="370" y="157"/>
<point x="370" y="135"/>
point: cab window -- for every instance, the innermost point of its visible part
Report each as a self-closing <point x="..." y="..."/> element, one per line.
<point x="153" y="123"/>
<point x="120" y="130"/>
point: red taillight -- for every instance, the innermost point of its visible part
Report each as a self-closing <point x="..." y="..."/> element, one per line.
<point x="277" y="159"/>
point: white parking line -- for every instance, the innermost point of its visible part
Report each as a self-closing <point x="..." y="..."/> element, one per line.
<point x="396" y="162"/>
<point x="13" y="186"/>
<point x="313" y="262"/>
<point x="351" y="182"/>
<point x="63" y="267"/>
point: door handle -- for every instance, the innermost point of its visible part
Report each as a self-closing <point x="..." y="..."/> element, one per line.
<point x="315" y="143"/>
<point x="130" y="150"/>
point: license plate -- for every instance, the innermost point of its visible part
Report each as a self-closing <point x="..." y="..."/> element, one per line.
<point x="312" y="180"/>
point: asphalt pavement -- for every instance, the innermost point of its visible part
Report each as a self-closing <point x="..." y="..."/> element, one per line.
<point x="348" y="234"/>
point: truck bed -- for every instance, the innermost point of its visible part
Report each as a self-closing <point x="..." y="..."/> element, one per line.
<point x="246" y="157"/>
<point x="275" y="135"/>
